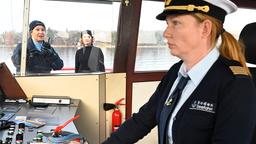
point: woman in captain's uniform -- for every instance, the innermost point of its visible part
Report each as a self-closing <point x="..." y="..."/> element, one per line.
<point x="217" y="105"/>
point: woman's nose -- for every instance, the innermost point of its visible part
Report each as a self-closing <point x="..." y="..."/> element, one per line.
<point x="167" y="32"/>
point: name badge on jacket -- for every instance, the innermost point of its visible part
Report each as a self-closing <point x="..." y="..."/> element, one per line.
<point x="203" y="106"/>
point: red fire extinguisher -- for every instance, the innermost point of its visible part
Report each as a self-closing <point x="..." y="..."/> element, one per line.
<point x="116" y="115"/>
<point x="116" y="119"/>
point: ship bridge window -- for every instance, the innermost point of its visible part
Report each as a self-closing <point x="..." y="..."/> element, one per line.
<point x="11" y="14"/>
<point x="64" y="21"/>
<point x="235" y="22"/>
<point x="152" y="51"/>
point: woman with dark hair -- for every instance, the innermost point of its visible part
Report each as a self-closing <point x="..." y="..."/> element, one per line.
<point x="88" y="58"/>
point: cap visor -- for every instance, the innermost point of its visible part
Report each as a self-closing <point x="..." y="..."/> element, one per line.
<point x="162" y="16"/>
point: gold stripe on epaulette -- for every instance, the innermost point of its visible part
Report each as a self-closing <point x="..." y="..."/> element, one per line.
<point x="238" y="70"/>
<point x="189" y="8"/>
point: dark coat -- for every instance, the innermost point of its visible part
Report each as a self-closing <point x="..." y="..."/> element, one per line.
<point x="95" y="60"/>
<point x="37" y="61"/>
<point x="231" y="121"/>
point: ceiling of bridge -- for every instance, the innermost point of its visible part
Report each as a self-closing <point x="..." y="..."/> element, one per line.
<point x="245" y="3"/>
<point x="240" y="3"/>
<point x="89" y="1"/>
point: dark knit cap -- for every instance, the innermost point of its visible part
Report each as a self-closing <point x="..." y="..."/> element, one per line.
<point x="35" y="23"/>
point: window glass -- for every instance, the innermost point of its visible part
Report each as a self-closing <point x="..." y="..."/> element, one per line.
<point x="65" y="20"/>
<point x="153" y="53"/>
<point x="235" y="22"/>
<point x="11" y="15"/>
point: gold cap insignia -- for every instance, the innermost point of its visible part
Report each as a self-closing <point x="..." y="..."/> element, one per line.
<point x="189" y="8"/>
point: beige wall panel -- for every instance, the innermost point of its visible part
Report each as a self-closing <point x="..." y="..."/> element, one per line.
<point x="92" y="90"/>
<point x="83" y="87"/>
<point x="115" y="90"/>
<point x="102" y="100"/>
<point x="141" y="94"/>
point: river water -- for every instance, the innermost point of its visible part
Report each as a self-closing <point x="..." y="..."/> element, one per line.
<point x="149" y="58"/>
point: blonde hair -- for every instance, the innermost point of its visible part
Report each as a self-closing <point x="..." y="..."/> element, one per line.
<point x="229" y="47"/>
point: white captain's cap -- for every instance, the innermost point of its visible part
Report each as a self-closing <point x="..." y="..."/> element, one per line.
<point x="215" y="8"/>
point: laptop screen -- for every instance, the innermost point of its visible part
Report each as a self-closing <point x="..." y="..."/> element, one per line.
<point x="9" y="87"/>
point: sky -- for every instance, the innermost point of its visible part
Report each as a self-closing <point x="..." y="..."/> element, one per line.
<point x="11" y="15"/>
<point x="79" y="16"/>
<point x="59" y="15"/>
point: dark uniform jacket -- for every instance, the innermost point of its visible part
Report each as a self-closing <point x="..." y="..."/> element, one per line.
<point x="37" y="61"/>
<point x="95" y="62"/>
<point x="221" y="110"/>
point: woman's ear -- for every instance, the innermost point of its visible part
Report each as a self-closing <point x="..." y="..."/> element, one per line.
<point x="207" y="28"/>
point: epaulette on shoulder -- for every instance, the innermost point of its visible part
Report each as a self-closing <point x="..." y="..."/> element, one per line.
<point x="238" y="70"/>
<point x="235" y="67"/>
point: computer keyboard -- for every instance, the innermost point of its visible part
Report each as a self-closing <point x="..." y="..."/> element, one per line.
<point x="6" y="115"/>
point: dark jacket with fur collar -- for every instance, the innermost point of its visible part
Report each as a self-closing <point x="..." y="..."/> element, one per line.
<point x="37" y="61"/>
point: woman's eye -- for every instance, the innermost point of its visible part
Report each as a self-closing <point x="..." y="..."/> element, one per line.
<point x="176" y="22"/>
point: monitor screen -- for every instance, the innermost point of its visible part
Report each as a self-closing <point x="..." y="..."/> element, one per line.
<point x="9" y="87"/>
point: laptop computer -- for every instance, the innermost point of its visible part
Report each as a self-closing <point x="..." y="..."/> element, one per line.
<point x="9" y="87"/>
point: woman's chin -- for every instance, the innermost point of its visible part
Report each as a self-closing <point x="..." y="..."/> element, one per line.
<point x="172" y="52"/>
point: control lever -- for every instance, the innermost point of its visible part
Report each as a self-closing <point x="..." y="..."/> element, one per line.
<point x="58" y="129"/>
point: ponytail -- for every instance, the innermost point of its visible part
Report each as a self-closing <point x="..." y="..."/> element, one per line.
<point x="229" y="47"/>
